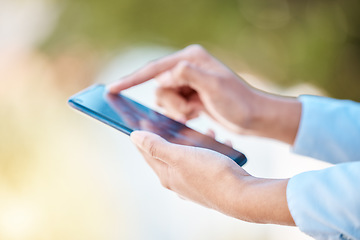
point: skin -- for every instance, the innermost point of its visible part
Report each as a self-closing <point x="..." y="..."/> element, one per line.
<point x="192" y="81"/>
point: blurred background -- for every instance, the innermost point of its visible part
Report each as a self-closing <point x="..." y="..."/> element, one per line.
<point x="66" y="176"/>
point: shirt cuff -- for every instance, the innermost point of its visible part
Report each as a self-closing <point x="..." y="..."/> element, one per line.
<point x="328" y="129"/>
<point x="325" y="203"/>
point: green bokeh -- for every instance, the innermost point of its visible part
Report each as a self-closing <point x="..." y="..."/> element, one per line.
<point x="286" y="41"/>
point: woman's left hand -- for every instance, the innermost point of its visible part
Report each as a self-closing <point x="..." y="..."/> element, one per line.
<point x="214" y="180"/>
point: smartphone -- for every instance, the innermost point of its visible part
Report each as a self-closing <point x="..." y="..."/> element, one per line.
<point x="127" y="115"/>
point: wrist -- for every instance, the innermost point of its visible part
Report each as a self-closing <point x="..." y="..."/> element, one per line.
<point x="274" y="116"/>
<point x="262" y="201"/>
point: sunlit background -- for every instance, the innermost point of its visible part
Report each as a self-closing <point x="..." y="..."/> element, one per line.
<point x="66" y="176"/>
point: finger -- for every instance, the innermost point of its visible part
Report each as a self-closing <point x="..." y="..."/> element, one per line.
<point x="229" y="143"/>
<point x="152" y="69"/>
<point x="149" y="71"/>
<point x="158" y="166"/>
<point x="155" y="146"/>
<point x="175" y="105"/>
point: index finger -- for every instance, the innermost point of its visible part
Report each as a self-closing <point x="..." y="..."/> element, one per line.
<point x="148" y="72"/>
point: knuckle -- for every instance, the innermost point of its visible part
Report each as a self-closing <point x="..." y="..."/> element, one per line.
<point x="196" y="48"/>
<point x="197" y="51"/>
<point x="152" y="149"/>
<point x="149" y="146"/>
<point x="181" y="69"/>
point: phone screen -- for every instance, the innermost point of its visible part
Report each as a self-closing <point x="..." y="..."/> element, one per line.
<point x="128" y="115"/>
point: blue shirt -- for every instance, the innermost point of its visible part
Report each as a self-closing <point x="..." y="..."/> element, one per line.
<point x="325" y="204"/>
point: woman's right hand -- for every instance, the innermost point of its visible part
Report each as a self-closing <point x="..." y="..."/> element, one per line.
<point x="192" y="81"/>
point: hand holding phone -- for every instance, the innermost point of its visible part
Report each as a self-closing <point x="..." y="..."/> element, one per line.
<point x="126" y="115"/>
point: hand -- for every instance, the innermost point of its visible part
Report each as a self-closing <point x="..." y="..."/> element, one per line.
<point x="214" y="180"/>
<point x="193" y="81"/>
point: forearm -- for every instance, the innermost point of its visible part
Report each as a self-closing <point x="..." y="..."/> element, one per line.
<point x="274" y="116"/>
<point x="262" y="201"/>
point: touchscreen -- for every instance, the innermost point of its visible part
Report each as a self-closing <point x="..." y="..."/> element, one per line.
<point x="129" y="115"/>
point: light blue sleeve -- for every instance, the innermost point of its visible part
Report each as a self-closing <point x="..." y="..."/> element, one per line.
<point x="329" y="129"/>
<point x="325" y="204"/>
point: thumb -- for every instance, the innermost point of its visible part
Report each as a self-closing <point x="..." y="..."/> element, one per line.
<point x="153" y="144"/>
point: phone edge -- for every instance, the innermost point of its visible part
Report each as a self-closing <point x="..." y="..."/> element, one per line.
<point x="99" y="117"/>
<point x="239" y="160"/>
